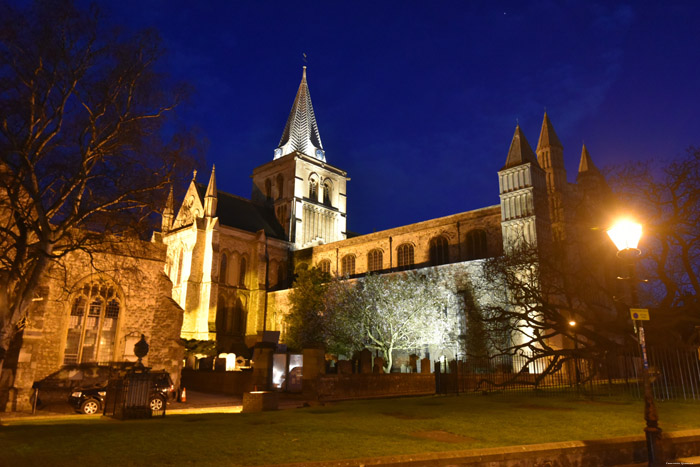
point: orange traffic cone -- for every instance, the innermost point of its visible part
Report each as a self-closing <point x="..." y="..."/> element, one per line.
<point x="183" y="395"/>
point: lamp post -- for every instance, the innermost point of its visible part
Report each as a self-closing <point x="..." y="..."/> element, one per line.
<point x="572" y="324"/>
<point x="625" y="235"/>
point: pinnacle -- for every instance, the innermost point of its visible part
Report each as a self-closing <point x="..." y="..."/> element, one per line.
<point x="520" y="151"/>
<point x="301" y="131"/>
<point x="211" y="188"/>
<point x="548" y="137"/>
<point x="586" y="165"/>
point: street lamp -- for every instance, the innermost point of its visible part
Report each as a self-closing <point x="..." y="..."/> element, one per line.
<point x="572" y="324"/>
<point x="626" y="234"/>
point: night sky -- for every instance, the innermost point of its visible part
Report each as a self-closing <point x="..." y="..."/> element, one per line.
<point x="418" y="101"/>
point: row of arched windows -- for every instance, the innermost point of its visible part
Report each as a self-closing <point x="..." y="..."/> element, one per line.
<point x="327" y="188"/>
<point x="226" y="278"/>
<point x="475" y="248"/>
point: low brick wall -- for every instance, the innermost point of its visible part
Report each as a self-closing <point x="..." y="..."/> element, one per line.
<point x="221" y="382"/>
<point x="364" y="386"/>
<point x="630" y="450"/>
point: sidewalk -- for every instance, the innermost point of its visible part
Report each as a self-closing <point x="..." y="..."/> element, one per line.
<point x="197" y="402"/>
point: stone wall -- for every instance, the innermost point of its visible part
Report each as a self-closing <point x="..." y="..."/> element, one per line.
<point x="365" y="386"/>
<point x="221" y="382"/>
<point x="133" y="272"/>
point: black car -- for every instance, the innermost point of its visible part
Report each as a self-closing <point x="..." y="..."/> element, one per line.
<point x="90" y="399"/>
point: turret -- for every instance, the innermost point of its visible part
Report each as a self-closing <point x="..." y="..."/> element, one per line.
<point x="550" y="155"/>
<point x="523" y="193"/>
<point x="210" y="199"/>
<point x="168" y="213"/>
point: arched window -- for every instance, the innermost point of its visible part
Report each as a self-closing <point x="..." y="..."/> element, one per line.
<point x="268" y="189"/>
<point x="92" y="327"/>
<point x="438" y="251"/>
<point x="223" y="264"/>
<point x="476" y="244"/>
<point x="281" y="275"/>
<point x="325" y="266"/>
<point x="405" y="255"/>
<point x="313" y="190"/>
<point x="327" y="192"/>
<point x="241" y="274"/>
<point x="347" y="265"/>
<point x="374" y="260"/>
<point x="280" y="186"/>
<point x="239" y="319"/>
<point x="180" y="254"/>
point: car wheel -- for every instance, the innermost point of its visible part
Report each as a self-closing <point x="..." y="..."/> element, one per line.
<point x="90" y="407"/>
<point x="156" y="403"/>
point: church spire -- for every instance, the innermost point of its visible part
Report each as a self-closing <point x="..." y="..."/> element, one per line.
<point x="168" y="212"/>
<point x="520" y="151"/>
<point x="548" y="137"/>
<point x="301" y="132"/>
<point x="210" y="198"/>
<point x="586" y="165"/>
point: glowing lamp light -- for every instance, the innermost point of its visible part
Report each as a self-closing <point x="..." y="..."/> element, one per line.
<point x="625" y="234"/>
<point x="572" y="323"/>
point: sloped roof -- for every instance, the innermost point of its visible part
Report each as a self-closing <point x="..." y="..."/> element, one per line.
<point x="240" y="213"/>
<point x="586" y="165"/>
<point x="301" y="131"/>
<point x="520" y="151"/>
<point x="548" y="137"/>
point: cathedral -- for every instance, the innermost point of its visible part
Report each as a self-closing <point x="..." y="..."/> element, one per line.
<point x="231" y="259"/>
<point x="221" y="266"/>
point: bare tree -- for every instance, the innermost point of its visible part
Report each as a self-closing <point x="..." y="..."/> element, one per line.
<point x="548" y="307"/>
<point x="84" y="157"/>
<point x="666" y="200"/>
<point x="391" y="312"/>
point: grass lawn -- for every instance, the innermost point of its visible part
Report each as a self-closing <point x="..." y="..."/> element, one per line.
<point x="334" y="431"/>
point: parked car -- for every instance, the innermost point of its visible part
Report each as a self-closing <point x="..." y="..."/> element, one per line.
<point x="91" y="399"/>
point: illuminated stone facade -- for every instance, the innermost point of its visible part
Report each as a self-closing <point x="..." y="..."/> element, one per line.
<point x="296" y="218"/>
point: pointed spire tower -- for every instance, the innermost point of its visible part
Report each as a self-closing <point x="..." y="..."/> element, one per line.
<point x="301" y="131"/>
<point x="590" y="180"/>
<point x="168" y="213"/>
<point x="523" y="193"/>
<point x="211" y="196"/>
<point x="550" y="154"/>
<point x="307" y="194"/>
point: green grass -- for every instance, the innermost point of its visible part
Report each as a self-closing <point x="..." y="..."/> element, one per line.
<point x="334" y="431"/>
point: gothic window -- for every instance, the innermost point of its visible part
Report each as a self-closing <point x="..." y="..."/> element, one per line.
<point x="476" y="244"/>
<point x="180" y="254"/>
<point x="313" y="190"/>
<point x="347" y="265"/>
<point x="239" y="318"/>
<point x="92" y="327"/>
<point x="325" y="266"/>
<point x="405" y="255"/>
<point x="241" y="275"/>
<point x="327" y="191"/>
<point x="268" y="189"/>
<point x="280" y="186"/>
<point x="281" y="275"/>
<point x="222" y="269"/>
<point x="438" y="251"/>
<point x="374" y="260"/>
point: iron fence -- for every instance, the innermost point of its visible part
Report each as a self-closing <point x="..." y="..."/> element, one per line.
<point x="675" y="374"/>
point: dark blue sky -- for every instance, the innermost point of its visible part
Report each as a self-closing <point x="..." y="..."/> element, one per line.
<point x="418" y="101"/>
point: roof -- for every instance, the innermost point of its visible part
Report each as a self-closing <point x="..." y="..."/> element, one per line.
<point x="240" y="213"/>
<point x="301" y="131"/>
<point x="520" y="151"/>
<point x="586" y="165"/>
<point x="548" y="137"/>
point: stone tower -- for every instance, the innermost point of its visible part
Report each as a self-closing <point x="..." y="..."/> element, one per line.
<point x="550" y="155"/>
<point x="523" y="193"/>
<point x="308" y="195"/>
